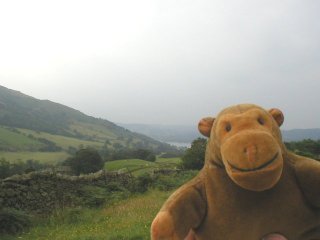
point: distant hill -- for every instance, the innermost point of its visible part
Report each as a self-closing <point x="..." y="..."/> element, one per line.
<point x="166" y="133"/>
<point x="186" y="134"/>
<point x="300" y="134"/>
<point x="30" y="124"/>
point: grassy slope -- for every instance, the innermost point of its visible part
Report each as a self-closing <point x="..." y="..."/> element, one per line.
<point x="62" y="141"/>
<point x="126" y="220"/>
<point x="63" y="125"/>
<point x="16" y="141"/>
<point x="26" y="148"/>
<point x="98" y="132"/>
<point x="23" y="147"/>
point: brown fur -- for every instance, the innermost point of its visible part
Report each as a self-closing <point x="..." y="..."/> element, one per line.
<point x="250" y="187"/>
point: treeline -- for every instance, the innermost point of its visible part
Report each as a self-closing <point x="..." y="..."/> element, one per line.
<point x="139" y="150"/>
<point x="195" y="155"/>
<point x="48" y="146"/>
<point x="309" y="148"/>
<point x="8" y="169"/>
<point x="119" y="154"/>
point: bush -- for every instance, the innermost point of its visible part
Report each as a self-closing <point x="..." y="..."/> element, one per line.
<point x="8" y="169"/>
<point x="122" y="153"/>
<point x="195" y="155"/>
<point x="85" y="161"/>
<point x="92" y="196"/>
<point x="141" y="183"/>
<point x="169" y="182"/>
<point x="165" y="183"/>
<point x="13" y="221"/>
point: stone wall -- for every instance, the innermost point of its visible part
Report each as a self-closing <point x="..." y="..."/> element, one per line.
<point x="40" y="192"/>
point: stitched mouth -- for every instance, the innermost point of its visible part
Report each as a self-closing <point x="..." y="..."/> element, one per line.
<point x="257" y="168"/>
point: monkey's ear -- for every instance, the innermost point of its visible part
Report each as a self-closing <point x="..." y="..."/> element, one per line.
<point x="277" y="115"/>
<point x="205" y="126"/>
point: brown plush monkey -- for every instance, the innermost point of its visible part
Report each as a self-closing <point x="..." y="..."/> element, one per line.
<point x="250" y="187"/>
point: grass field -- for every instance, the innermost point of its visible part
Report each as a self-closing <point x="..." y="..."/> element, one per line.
<point x="128" y="219"/>
<point x="168" y="160"/>
<point x="17" y="142"/>
<point x="138" y="166"/>
<point x="62" y="141"/>
<point x="43" y="157"/>
<point x="98" y="132"/>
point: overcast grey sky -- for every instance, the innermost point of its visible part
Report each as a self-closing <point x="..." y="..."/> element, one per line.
<point x="166" y="61"/>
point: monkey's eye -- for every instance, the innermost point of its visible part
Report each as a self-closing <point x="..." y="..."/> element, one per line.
<point x="261" y="121"/>
<point x="228" y="127"/>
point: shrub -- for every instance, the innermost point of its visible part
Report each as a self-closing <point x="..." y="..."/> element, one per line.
<point x="141" y="183"/>
<point x="13" y="221"/>
<point x="86" y="160"/>
<point x="8" y="169"/>
<point x="92" y="196"/>
<point x="194" y="156"/>
<point x="169" y="182"/>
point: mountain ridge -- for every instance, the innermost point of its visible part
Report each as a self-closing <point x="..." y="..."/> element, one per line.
<point x="187" y="133"/>
<point x="18" y="110"/>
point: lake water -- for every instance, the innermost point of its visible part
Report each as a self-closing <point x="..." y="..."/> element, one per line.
<point x="180" y="144"/>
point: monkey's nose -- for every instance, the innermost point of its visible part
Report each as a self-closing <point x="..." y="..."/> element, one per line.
<point x="251" y="152"/>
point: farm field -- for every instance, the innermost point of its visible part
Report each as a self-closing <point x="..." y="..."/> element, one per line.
<point x="14" y="140"/>
<point x="138" y="166"/>
<point x="51" y="158"/>
<point x="62" y="141"/>
<point x="128" y="219"/>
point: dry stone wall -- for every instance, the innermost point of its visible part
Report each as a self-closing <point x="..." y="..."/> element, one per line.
<point x="41" y="192"/>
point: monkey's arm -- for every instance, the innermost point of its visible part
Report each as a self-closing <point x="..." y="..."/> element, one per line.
<point x="183" y="211"/>
<point x="308" y="175"/>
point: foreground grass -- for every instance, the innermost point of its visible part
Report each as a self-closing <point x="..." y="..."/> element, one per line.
<point x="128" y="219"/>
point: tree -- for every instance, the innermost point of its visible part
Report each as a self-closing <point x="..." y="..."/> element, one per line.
<point x="307" y="147"/>
<point x="144" y="154"/>
<point x="4" y="168"/>
<point x="86" y="160"/>
<point x="194" y="156"/>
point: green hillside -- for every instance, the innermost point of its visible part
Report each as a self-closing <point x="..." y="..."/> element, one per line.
<point x="30" y="125"/>
<point x="12" y="140"/>
<point x="51" y="158"/>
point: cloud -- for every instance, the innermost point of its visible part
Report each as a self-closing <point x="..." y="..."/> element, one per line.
<point x="165" y="61"/>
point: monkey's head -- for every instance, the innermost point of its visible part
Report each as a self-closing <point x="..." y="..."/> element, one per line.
<point x="246" y="140"/>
